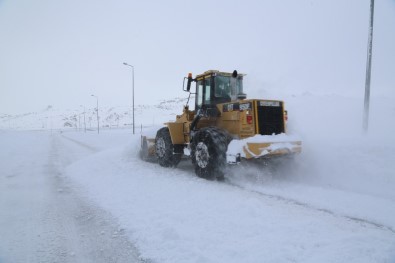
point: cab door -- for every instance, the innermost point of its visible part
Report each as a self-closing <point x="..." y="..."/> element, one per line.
<point x="204" y="92"/>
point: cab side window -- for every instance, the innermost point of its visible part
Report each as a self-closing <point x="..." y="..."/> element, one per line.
<point x="199" y="95"/>
<point x="207" y="91"/>
<point x="204" y="90"/>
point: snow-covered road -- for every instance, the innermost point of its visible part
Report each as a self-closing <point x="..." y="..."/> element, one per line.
<point x="173" y="216"/>
<point x="43" y="216"/>
<point x="75" y="197"/>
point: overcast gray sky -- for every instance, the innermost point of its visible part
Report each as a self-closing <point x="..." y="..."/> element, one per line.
<point x="60" y="52"/>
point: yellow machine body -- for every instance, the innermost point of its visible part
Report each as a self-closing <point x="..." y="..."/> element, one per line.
<point x="243" y="119"/>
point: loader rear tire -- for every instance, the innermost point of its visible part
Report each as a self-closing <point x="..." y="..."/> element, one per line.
<point x="209" y="146"/>
<point x="168" y="155"/>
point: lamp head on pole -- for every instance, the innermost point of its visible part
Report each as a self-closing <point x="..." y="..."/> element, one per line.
<point x="126" y="64"/>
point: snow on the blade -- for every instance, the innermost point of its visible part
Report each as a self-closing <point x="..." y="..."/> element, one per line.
<point x="279" y="141"/>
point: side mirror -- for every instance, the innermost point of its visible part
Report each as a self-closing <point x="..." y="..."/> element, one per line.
<point x="189" y="81"/>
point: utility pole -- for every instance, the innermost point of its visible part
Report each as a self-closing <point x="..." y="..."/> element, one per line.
<point x="126" y="64"/>
<point x="97" y="112"/>
<point x="368" y="71"/>
<point x="84" y="119"/>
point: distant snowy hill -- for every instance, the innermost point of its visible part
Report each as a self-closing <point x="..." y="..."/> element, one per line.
<point x="109" y="117"/>
<point x="332" y="115"/>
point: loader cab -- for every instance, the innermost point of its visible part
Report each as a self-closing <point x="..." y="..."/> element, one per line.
<point x="214" y="87"/>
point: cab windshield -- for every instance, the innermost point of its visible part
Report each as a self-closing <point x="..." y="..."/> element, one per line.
<point x="227" y="87"/>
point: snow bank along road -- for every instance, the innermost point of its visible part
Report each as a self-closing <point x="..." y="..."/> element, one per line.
<point x="43" y="218"/>
<point x="96" y="200"/>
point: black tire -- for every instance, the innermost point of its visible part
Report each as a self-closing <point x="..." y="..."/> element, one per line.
<point x="209" y="146"/>
<point x="168" y="155"/>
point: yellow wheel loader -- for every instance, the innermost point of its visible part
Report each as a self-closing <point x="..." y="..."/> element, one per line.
<point x="224" y="128"/>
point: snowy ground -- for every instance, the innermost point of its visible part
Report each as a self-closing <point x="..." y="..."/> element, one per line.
<point x="44" y="218"/>
<point x="76" y="197"/>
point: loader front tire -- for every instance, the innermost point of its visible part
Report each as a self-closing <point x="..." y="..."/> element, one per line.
<point x="209" y="146"/>
<point x="168" y="155"/>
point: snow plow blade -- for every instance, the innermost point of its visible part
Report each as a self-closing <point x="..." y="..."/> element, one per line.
<point x="257" y="150"/>
<point x="147" y="150"/>
<point x="258" y="147"/>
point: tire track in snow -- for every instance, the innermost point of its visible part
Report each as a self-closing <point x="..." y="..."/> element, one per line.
<point x="77" y="229"/>
<point x="90" y="148"/>
<point x="311" y="207"/>
<point x="283" y="199"/>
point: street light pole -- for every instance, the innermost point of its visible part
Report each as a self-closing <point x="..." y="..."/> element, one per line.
<point x="97" y="112"/>
<point x="126" y="64"/>
<point x="368" y="70"/>
<point x="84" y="118"/>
